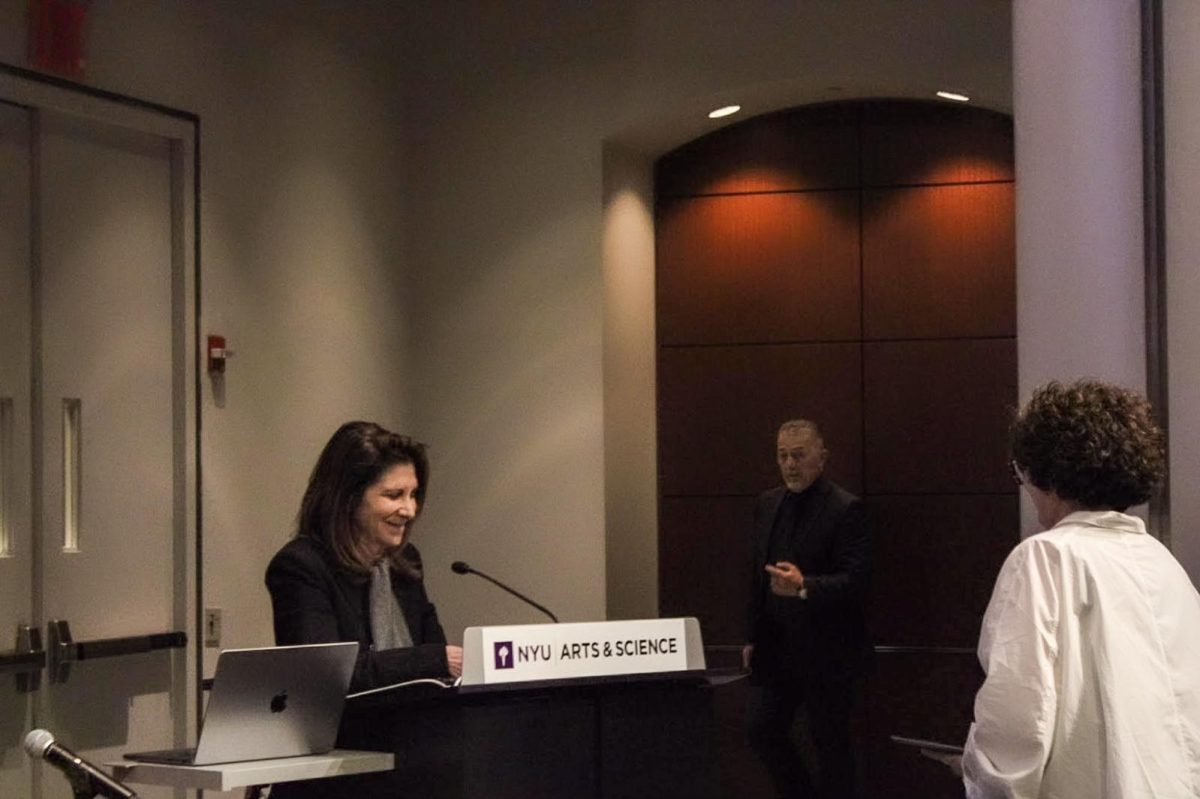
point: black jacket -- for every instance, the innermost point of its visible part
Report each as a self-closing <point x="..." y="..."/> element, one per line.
<point x="824" y="635"/>
<point x="315" y="601"/>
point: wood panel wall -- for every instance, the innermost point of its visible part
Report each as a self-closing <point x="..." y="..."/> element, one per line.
<point x="851" y="263"/>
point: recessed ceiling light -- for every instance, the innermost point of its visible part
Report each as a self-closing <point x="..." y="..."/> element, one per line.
<point x="724" y="112"/>
<point x="962" y="98"/>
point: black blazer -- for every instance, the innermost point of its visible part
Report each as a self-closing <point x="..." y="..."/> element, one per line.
<point x="824" y="634"/>
<point x="315" y="601"/>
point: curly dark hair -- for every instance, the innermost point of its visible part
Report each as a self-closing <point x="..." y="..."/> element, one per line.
<point x="356" y="456"/>
<point x="1090" y="442"/>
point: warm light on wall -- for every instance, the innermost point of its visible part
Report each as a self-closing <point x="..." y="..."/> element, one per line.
<point x="962" y="98"/>
<point x="724" y="112"/>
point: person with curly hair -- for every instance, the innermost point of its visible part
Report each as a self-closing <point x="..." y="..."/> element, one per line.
<point x="1091" y="641"/>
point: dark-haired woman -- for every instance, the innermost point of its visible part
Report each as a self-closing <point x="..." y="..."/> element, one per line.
<point x="1091" y="642"/>
<point x="351" y="574"/>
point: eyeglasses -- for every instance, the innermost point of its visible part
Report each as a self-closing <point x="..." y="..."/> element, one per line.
<point x="1015" y="472"/>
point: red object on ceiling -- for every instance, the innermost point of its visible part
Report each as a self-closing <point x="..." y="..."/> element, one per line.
<point x="56" y="36"/>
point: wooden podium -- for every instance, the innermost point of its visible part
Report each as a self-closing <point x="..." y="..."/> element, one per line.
<point x="519" y="728"/>
<point x="551" y="710"/>
<point x="646" y="736"/>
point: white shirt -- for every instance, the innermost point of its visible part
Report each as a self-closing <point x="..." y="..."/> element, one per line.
<point x="1091" y="646"/>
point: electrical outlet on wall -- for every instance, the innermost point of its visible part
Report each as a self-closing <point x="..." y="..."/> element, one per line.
<point x="212" y="627"/>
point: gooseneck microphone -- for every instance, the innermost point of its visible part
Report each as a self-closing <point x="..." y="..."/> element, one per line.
<point x="458" y="567"/>
<point x="85" y="779"/>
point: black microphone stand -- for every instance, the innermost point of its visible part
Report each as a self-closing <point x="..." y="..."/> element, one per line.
<point x="86" y="781"/>
<point x="461" y="568"/>
<point x="84" y="788"/>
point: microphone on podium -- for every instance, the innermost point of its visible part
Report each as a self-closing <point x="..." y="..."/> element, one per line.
<point x="85" y="779"/>
<point x="459" y="567"/>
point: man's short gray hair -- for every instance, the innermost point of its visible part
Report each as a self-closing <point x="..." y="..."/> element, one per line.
<point x="796" y="425"/>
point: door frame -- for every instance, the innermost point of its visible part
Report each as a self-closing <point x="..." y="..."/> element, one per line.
<point x="41" y="92"/>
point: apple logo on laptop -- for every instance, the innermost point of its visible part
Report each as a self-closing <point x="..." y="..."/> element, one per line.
<point x="279" y="702"/>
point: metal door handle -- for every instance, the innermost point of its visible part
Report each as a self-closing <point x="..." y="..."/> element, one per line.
<point x="27" y="660"/>
<point x="22" y="662"/>
<point x="63" y="650"/>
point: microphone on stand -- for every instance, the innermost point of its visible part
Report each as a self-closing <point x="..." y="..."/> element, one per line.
<point x="86" y="779"/>
<point x="458" y="567"/>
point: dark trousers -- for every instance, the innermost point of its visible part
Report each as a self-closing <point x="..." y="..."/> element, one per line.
<point x="826" y="705"/>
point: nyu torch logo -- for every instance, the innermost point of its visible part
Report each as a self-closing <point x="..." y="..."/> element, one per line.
<point x="503" y="654"/>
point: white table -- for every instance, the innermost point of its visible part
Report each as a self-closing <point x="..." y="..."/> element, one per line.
<point x="228" y="776"/>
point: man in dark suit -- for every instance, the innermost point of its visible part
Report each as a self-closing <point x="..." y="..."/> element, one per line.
<point x="806" y="641"/>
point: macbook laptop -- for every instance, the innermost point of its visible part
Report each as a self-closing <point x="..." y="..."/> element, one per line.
<point x="282" y="701"/>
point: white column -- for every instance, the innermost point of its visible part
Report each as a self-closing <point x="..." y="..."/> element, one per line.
<point x="630" y="429"/>
<point x="1077" y="115"/>
<point x="1181" y="123"/>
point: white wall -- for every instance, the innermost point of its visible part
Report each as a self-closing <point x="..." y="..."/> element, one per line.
<point x="302" y="265"/>
<point x="1181" y="31"/>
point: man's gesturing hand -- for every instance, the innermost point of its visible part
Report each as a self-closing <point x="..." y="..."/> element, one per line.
<point x="786" y="579"/>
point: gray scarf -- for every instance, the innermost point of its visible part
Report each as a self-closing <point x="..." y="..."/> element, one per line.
<point x="388" y="627"/>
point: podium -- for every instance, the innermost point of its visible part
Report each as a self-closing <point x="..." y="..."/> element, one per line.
<point x="600" y="734"/>
<point x="563" y="719"/>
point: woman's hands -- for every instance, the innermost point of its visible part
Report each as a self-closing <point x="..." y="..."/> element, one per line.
<point x="454" y="659"/>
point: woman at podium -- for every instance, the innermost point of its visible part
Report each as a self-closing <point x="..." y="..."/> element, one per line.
<point x="351" y="572"/>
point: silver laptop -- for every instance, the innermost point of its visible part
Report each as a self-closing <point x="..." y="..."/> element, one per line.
<point x="282" y="701"/>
